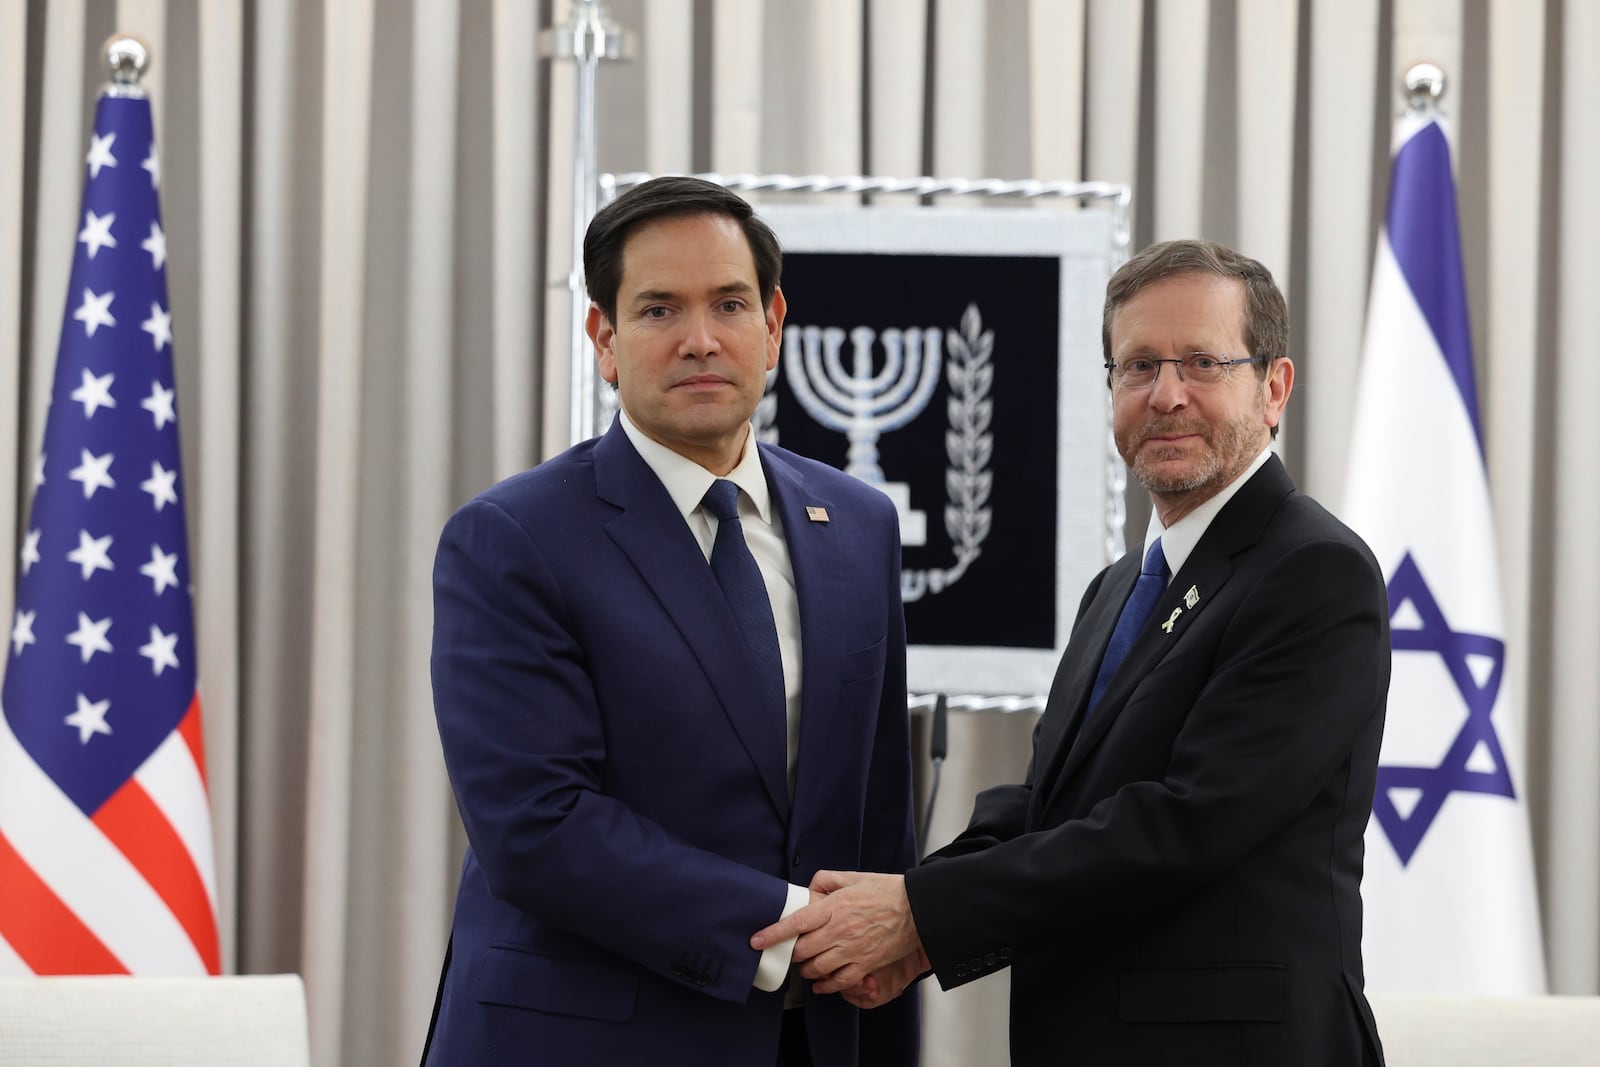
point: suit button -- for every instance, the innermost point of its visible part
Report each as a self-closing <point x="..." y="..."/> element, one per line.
<point x="961" y="970"/>
<point x="990" y="960"/>
<point x="1005" y="953"/>
<point x="795" y="861"/>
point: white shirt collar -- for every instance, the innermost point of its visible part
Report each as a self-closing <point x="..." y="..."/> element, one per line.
<point x="686" y="481"/>
<point x="1178" y="542"/>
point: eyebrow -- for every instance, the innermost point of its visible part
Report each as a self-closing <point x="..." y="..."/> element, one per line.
<point x="1145" y="351"/>
<point x="731" y="289"/>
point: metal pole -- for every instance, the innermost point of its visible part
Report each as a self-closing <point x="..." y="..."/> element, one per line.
<point x="589" y="37"/>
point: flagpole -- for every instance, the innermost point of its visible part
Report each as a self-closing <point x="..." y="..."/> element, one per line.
<point x="589" y="37"/>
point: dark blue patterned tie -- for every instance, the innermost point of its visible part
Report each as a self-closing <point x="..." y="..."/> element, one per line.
<point x="1135" y="613"/>
<point x="736" y="571"/>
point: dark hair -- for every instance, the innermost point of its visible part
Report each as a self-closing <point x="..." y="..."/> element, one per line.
<point x="665" y="198"/>
<point x="1266" y="316"/>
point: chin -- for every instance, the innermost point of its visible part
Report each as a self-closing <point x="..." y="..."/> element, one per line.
<point x="1171" y="477"/>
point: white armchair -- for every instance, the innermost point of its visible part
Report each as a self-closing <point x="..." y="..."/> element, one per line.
<point x="256" y="1021"/>
<point x="1463" y="1031"/>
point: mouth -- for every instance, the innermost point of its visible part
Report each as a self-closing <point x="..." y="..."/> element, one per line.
<point x="702" y="381"/>
<point x="1168" y="440"/>
<point x="1169" y="435"/>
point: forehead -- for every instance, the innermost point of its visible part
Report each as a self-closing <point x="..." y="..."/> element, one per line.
<point x="686" y="252"/>
<point x="1203" y="310"/>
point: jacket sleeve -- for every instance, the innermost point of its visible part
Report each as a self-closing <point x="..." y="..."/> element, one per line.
<point x="1302" y="672"/>
<point x="525" y="745"/>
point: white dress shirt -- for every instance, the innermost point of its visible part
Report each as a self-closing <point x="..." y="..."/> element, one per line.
<point x="686" y="482"/>
<point x="1178" y="542"/>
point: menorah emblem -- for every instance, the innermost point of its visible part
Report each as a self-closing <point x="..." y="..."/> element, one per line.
<point x="864" y="405"/>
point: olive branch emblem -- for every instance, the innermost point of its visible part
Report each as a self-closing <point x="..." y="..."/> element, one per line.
<point x="968" y="446"/>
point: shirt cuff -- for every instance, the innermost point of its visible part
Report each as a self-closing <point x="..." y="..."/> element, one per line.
<point x="775" y="959"/>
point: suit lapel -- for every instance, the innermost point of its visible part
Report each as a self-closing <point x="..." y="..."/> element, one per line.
<point x="1191" y="591"/>
<point x="815" y="558"/>
<point x="651" y="532"/>
<point x="1069" y="690"/>
<point x="1205" y="572"/>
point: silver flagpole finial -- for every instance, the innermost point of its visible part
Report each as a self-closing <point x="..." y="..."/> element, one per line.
<point x="1424" y="85"/>
<point x="128" y="57"/>
<point x="591" y="33"/>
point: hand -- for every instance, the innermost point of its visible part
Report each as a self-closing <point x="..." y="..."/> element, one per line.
<point x="887" y="983"/>
<point x="863" y="924"/>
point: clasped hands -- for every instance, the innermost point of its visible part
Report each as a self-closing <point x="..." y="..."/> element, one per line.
<point x="855" y="938"/>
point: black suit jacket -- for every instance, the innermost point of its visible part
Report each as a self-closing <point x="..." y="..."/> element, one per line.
<point x="1178" y="879"/>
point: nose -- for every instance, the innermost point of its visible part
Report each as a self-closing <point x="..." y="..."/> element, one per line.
<point x="699" y="337"/>
<point x="1168" y="392"/>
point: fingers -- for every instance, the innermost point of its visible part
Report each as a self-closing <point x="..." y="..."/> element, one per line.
<point x="824" y="961"/>
<point x="809" y="946"/>
<point x="851" y="974"/>
<point x="808" y="918"/>
<point x="888" y="982"/>
<point x="868" y="994"/>
<point x="829" y="881"/>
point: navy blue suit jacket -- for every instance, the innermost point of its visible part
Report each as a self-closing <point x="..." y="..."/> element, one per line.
<point x="627" y="809"/>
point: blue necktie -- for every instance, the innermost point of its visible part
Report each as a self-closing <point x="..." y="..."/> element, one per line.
<point x="736" y="571"/>
<point x="1135" y="613"/>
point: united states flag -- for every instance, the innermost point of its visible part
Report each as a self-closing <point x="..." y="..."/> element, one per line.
<point x="105" y="832"/>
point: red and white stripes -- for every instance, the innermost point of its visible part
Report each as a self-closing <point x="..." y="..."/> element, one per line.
<point x="131" y="889"/>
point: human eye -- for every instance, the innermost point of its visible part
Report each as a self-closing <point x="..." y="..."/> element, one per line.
<point x="654" y="311"/>
<point x="731" y="306"/>
<point x="1202" y="361"/>
<point x="1138" y="367"/>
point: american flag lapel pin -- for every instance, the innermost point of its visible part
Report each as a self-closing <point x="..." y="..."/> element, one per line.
<point x="816" y="514"/>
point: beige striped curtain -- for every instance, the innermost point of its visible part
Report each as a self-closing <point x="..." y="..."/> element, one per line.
<point x="368" y="216"/>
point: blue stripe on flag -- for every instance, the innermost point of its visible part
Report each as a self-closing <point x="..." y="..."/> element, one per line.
<point x="1426" y="239"/>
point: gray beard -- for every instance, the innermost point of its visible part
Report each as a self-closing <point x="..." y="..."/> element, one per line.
<point x="1234" y="439"/>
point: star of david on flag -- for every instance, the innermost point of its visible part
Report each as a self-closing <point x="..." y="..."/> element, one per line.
<point x="1449" y="897"/>
<point x="106" y="856"/>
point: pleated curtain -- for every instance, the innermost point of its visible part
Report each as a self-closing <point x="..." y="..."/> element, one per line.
<point x="369" y="226"/>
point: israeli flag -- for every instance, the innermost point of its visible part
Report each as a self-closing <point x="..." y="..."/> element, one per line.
<point x="1449" y="889"/>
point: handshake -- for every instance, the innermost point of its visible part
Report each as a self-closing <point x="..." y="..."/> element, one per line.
<point x="855" y="938"/>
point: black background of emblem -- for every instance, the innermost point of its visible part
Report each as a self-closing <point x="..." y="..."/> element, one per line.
<point x="1007" y="598"/>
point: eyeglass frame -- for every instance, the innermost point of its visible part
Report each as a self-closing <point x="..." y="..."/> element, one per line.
<point x="1112" y="365"/>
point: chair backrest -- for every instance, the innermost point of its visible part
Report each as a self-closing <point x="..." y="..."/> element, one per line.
<point x="1470" y="1031"/>
<point x="254" y="1021"/>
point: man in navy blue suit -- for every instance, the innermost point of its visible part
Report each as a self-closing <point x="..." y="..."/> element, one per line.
<point x="669" y="676"/>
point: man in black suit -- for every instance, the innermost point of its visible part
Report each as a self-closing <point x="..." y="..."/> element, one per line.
<point x="1177" y="881"/>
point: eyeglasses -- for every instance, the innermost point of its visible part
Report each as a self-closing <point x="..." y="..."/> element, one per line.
<point x="1194" y="368"/>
